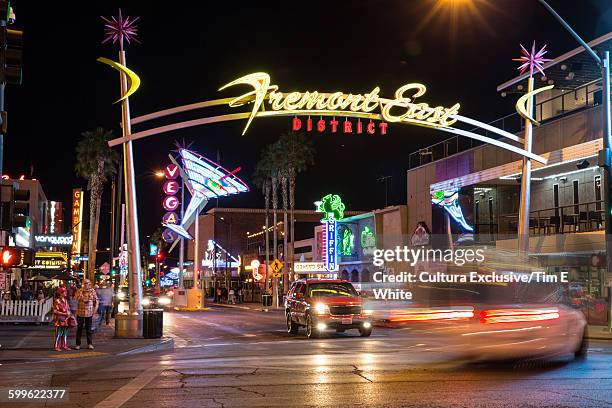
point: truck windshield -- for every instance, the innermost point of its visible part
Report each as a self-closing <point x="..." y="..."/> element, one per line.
<point x="328" y="289"/>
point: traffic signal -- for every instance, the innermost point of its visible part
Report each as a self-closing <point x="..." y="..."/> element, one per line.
<point x="11" y="43"/>
<point x="11" y="257"/>
<point x="21" y="207"/>
<point x="159" y="257"/>
<point x="14" y="207"/>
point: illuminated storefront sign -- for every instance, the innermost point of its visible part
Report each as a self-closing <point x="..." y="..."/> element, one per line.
<point x="335" y="126"/>
<point x="50" y="260"/>
<point x="53" y="217"/>
<point x="77" y="220"/>
<point x="170" y="202"/>
<point x="333" y="210"/>
<point x="53" y="240"/>
<point x="347" y="241"/>
<point x="309" y="267"/>
<point x="368" y="240"/>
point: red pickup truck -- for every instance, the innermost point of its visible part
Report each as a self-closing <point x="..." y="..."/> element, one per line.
<point x="322" y="304"/>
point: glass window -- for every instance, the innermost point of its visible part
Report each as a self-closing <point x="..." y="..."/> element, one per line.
<point x="332" y="289"/>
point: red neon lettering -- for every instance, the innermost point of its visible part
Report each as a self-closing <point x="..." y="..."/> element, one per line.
<point x="348" y="127"/>
<point x="371" y="128"/>
<point x="383" y="127"/>
<point x="359" y="127"/>
<point x="321" y="125"/>
<point x="309" y="124"/>
<point x="296" y="124"/>
<point x="334" y="125"/>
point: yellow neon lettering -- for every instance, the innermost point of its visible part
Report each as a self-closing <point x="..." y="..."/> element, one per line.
<point x="371" y="98"/>
<point x="291" y="99"/>
<point x="314" y="102"/>
<point x="332" y="102"/>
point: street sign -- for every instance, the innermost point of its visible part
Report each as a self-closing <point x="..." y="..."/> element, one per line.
<point x="105" y="268"/>
<point x="2" y="280"/>
<point x="276" y="266"/>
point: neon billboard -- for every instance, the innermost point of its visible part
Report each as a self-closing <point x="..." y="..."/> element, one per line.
<point x="205" y="179"/>
<point x="332" y="208"/>
<point x="449" y="201"/>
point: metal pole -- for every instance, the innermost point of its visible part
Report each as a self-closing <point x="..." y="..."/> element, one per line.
<point x="523" y="224"/>
<point x="112" y="229"/>
<point x="607" y="139"/>
<point x="2" y="85"/>
<point x="196" y="256"/>
<point x="132" y="213"/>
<point x="182" y="242"/>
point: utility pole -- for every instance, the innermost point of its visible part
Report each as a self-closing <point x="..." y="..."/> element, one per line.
<point x="384" y="179"/>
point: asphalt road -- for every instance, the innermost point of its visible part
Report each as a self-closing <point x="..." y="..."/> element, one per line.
<point x="236" y="358"/>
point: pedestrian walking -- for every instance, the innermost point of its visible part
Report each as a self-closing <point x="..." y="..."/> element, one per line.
<point x="87" y="304"/>
<point x="15" y="292"/>
<point x="105" y="297"/>
<point x="218" y="295"/>
<point x="232" y="297"/>
<point x="61" y="316"/>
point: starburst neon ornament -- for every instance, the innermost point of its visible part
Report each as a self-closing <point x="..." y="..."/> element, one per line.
<point x="531" y="60"/>
<point x="120" y="28"/>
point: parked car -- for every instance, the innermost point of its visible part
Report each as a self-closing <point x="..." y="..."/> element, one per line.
<point x="323" y="304"/>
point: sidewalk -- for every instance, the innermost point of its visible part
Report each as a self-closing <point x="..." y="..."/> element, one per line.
<point x="29" y="343"/>
<point x="599" y="333"/>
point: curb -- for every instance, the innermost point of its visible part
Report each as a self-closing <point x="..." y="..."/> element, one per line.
<point x="258" y="309"/>
<point x="167" y="343"/>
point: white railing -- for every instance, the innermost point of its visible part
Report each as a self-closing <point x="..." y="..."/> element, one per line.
<point x="25" y="310"/>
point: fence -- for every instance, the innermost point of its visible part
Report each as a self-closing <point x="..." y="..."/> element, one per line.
<point x="584" y="96"/>
<point x="25" y="310"/>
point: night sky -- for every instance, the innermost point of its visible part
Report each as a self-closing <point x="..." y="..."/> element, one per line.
<point x="190" y="49"/>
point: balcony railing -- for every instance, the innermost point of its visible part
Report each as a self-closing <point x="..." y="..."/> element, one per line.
<point x="580" y="98"/>
<point x="564" y="219"/>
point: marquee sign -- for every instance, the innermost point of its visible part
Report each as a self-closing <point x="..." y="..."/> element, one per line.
<point x="53" y="240"/>
<point x="265" y="100"/>
<point x="77" y="220"/>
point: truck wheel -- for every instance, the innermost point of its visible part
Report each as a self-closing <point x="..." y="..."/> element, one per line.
<point x="292" y="328"/>
<point x="311" y="332"/>
<point x="365" y="332"/>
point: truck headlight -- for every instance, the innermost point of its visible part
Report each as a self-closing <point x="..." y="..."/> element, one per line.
<point x="121" y="295"/>
<point x="321" y="308"/>
<point x="146" y="301"/>
<point x="164" y="300"/>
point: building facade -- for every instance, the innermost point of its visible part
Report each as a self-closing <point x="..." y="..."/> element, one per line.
<point x="566" y="220"/>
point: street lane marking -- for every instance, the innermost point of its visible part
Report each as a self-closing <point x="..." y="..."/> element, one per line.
<point x="78" y="355"/>
<point x="125" y="393"/>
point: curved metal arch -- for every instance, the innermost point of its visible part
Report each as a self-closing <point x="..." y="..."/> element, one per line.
<point x="245" y="115"/>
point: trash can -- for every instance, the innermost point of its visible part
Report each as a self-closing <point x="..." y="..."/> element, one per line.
<point x="152" y="323"/>
<point x="266" y="300"/>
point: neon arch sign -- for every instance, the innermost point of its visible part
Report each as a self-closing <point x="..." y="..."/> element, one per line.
<point x="404" y="108"/>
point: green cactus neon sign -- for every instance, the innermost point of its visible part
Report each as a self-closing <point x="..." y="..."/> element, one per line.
<point x="331" y="206"/>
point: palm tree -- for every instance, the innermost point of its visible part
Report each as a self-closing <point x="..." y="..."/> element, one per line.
<point x="96" y="161"/>
<point x="297" y="155"/>
<point x="261" y="178"/>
